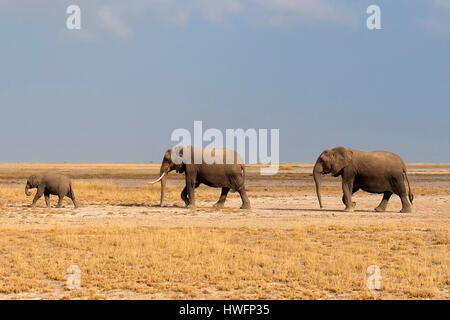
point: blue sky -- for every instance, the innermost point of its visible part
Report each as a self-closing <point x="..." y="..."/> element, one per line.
<point x="116" y="89"/>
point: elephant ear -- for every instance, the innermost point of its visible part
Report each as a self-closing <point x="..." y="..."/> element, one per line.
<point x="342" y="158"/>
<point x="178" y="155"/>
<point x="181" y="152"/>
<point x="33" y="180"/>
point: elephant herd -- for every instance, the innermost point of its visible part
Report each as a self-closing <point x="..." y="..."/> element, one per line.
<point x="379" y="172"/>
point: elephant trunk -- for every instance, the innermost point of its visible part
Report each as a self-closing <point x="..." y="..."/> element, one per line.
<point x="163" y="187"/>
<point x="27" y="192"/>
<point x="163" y="172"/>
<point x="316" y="173"/>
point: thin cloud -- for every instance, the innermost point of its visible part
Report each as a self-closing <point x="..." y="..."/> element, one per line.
<point x="280" y="11"/>
<point x="116" y="15"/>
<point x="437" y="23"/>
<point x="183" y="12"/>
<point x="219" y="10"/>
<point x="443" y="3"/>
<point x="435" y="26"/>
<point x="272" y="12"/>
<point x="113" y="23"/>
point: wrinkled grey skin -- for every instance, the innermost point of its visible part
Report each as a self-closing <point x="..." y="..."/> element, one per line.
<point x="225" y="176"/>
<point x="372" y="171"/>
<point x="50" y="183"/>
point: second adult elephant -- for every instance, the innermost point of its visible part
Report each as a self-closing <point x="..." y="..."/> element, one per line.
<point x="372" y="171"/>
<point x="199" y="166"/>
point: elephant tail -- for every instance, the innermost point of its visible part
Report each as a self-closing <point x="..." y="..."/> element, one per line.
<point x="410" y="195"/>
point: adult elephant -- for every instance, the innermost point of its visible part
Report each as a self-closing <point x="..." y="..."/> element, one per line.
<point x="214" y="167"/>
<point x="372" y="171"/>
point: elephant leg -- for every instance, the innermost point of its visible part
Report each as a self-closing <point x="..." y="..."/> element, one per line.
<point x="400" y="190"/>
<point x="245" y="201"/>
<point x="406" y="206"/>
<point x="223" y="197"/>
<point x="47" y="199"/>
<point x="60" y="201"/>
<point x="347" y="188"/>
<point x="72" y="196"/>
<point x="383" y="204"/>
<point x="184" y="196"/>
<point x="39" y="194"/>
<point x="353" y="191"/>
<point x="191" y="193"/>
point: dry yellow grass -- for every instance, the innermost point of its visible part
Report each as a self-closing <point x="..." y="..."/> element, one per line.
<point x="325" y="259"/>
<point x="103" y="192"/>
<point x="303" y="262"/>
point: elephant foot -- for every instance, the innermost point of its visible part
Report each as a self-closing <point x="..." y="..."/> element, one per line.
<point x="380" y="209"/>
<point x="406" y="210"/>
<point x="218" y="205"/>
<point x="190" y="206"/>
<point x="246" y="206"/>
<point x="349" y="209"/>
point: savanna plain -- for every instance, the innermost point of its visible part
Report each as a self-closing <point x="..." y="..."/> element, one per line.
<point x="285" y="247"/>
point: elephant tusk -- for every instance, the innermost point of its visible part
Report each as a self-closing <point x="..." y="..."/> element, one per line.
<point x="159" y="179"/>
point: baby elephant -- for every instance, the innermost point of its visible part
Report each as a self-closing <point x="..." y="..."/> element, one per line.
<point x="50" y="183"/>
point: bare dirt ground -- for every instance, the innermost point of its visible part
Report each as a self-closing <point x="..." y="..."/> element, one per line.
<point x="297" y="250"/>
